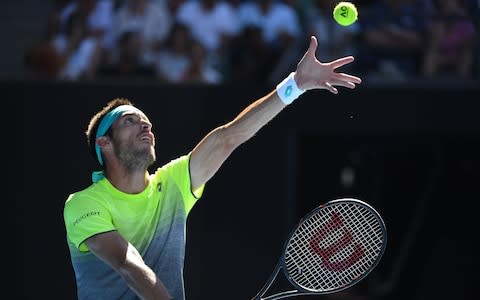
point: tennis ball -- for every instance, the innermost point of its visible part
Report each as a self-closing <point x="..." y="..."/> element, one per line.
<point x="345" y="13"/>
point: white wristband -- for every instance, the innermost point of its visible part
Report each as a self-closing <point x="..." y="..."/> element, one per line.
<point x="288" y="89"/>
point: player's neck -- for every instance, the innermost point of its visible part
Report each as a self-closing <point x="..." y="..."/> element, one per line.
<point x="129" y="182"/>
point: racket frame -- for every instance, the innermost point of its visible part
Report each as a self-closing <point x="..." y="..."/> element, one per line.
<point x="281" y="264"/>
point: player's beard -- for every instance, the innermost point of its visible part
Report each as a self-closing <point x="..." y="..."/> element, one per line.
<point x="134" y="157"/>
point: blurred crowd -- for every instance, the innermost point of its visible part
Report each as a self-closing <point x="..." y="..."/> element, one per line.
<point x="220" y="41"/>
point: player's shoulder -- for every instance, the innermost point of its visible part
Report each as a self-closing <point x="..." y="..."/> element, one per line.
<point x="170" y="167"/>
<point x="85" y="195"/>
<point x="175" y="161"/>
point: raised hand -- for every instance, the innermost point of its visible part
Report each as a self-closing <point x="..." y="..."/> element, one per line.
<point x="313" y="74"/>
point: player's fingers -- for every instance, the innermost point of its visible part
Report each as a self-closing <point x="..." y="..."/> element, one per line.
<point x="346" y="84"/>
<point x="312" y="48"/>
<point x="342" y="61"/>
<point x="331" y="88"/>
<point x="347" y="77"/>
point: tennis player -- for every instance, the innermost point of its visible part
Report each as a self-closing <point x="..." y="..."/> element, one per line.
<point x="126" y="231"/>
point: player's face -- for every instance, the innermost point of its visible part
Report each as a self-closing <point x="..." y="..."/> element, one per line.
<point x="134" y="141"/>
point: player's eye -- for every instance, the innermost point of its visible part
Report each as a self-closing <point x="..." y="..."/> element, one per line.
<point x="130" y="120"/>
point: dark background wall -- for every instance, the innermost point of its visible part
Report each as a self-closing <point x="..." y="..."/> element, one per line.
<point x="412" y="152"/>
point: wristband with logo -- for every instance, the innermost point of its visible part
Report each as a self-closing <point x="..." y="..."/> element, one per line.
<point x="288" y="89"/>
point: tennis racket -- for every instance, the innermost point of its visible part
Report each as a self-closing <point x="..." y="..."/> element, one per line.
<point x="331" y="249"/>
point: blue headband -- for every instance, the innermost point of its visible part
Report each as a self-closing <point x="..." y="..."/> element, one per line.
<point x="104" y="126"/>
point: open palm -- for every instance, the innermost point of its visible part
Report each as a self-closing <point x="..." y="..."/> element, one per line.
<point x="313" y="74"/>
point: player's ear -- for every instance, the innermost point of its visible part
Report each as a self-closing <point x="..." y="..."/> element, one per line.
<point x="103" y="141"/>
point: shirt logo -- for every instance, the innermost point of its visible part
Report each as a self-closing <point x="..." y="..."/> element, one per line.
<point x="83" y="217"/>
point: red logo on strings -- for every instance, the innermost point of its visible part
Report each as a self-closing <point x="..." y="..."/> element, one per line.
<point x="335" y="223"/>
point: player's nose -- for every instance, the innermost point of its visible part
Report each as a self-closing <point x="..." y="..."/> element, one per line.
<point x="146" y="125"/>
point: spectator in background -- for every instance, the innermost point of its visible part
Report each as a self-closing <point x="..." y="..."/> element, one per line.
<point x="292" y="41"/>
<point x="149" y="19"/>
<point x="303" y="7"/>
<point x="280" y="28"/>
<point x="41" y="57"/>
<point x="80" y="52"/>
<point x="451" y="44"/>
<point x="213" y="23"/>
<point x="392" y="38"/>
<point x="173" y="59"/>
<point x="183" y="59"/>
<point x="71" y="48"/>
<point x="98" y="15"/>
<point x="249" y="58"/>
<point x="129" y="63"/>
<point x="173" y="6"/>
<point x="199" y="70"/>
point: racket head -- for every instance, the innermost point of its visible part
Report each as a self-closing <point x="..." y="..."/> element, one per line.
<point x="334" y="247"/>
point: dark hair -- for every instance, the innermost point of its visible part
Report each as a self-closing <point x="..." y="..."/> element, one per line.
<point x="91" y="131"/>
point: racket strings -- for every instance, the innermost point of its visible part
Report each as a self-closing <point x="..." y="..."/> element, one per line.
<point x="334" y="246"/>
<point x="368" y="229"/>
<point x="312" y="261"/>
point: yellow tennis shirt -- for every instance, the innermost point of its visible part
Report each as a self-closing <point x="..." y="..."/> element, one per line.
<point x="154" y="221"/>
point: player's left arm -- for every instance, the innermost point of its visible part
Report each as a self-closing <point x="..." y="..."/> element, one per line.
<point x="210" y="153"/>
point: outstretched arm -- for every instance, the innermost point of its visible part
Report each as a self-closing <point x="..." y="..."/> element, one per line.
<point x="216" y="146"/>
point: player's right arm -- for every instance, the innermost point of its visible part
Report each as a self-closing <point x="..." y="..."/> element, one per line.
<point x="122" y="256"/>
